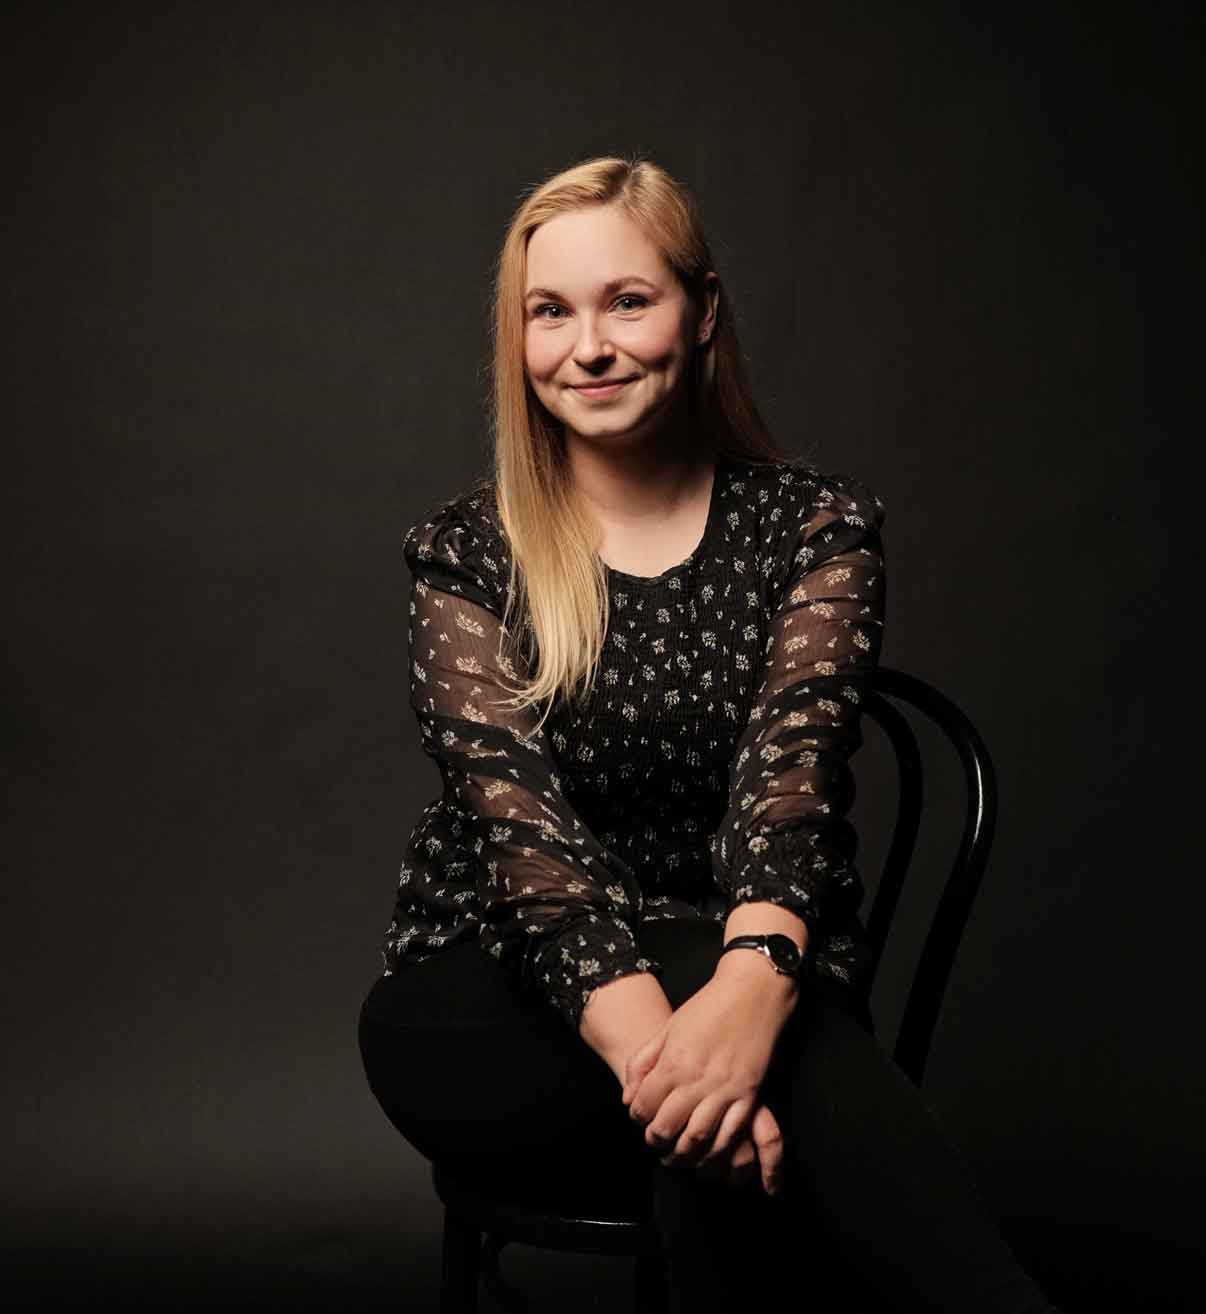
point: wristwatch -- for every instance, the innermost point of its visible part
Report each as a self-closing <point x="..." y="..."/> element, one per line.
<point x="780" y="949"/>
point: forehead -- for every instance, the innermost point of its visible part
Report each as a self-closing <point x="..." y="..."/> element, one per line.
<point x="585" y="247"/>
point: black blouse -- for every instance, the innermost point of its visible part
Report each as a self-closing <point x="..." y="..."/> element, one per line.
<point x="708" y="767"/>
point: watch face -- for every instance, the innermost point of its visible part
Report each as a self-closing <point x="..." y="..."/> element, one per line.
<point x="783" y="952"/>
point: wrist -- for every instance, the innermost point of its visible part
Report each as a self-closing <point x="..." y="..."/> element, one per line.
<point x="750" y="969"/>
<point x="743" y="966"/>
<point x="621" y="1014"/>
<point x="763" y="918"/>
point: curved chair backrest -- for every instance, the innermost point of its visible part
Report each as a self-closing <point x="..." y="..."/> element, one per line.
<point x="950" y="917"/>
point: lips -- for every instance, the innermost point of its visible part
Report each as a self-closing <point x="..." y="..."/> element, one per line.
<point x="600" y="385"/>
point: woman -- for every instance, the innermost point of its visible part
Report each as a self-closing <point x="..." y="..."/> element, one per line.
<point x="637" y="658"/>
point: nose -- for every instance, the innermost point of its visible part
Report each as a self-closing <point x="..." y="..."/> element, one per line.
<point x="591" y="352"/>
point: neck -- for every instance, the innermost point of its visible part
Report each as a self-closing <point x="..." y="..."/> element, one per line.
<point x="637" y="480"/>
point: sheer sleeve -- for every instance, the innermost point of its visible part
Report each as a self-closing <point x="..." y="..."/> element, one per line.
<point x="556" y="906"/>
<point x="785" y="837"/>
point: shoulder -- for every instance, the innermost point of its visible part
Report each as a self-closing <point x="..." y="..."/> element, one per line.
<point x="840" y="501"/>
<point x="787" y="508"/>
<point x="458" y="546"/>
<point x="808" y="492"/>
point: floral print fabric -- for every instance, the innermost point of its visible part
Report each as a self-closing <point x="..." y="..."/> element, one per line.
<point x="707" y="767"/>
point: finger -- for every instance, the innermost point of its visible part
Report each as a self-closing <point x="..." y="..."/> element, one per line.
<point x="696" y="1137"/>
<point x="667" y="1123"/>
<point x="649" y="1087"/>
<point x="646" y="1095"/>
<point x="768" y="1140"/>
<point x="720" y="1166"/>
<point x="639" y="1063"/>
<point x="733" y="1126"/>
<point x="632" y="1084"/>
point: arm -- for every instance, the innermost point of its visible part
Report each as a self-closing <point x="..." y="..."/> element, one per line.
<point x="785" y="849"/>
<point x="556" y="906"/>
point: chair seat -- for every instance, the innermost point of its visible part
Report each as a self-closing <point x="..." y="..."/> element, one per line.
<point x="621" y="1192"/>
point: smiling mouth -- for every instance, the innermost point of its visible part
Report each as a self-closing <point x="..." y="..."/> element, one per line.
<point x="610" y="386"/>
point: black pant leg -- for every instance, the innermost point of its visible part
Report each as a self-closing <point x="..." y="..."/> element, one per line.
<point x="878" y="1210"/>
<point x="887" y="1196"/>
<point x="472" y="1071"/>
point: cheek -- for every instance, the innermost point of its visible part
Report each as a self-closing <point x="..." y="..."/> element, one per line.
<point x="542" y="354"/>
<point x="656" y="344"/>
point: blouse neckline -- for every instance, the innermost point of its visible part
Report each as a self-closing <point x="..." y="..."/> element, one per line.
<point x="709" y="533"/>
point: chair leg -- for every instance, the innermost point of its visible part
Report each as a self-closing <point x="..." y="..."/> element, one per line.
<point x="505" y="1296"/>
<point x="460" y="1266"/>
<point x="652" y="1285"/>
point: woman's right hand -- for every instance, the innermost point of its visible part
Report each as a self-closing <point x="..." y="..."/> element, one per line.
<point x="756" y="1151"/>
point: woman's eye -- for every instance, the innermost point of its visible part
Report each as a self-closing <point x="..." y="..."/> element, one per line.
<point x="638" y="301"/>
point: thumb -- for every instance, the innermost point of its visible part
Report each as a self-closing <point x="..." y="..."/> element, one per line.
<point x="640" y="1062"/>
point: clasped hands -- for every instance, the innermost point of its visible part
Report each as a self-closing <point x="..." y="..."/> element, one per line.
<point x="695" y="1081"/>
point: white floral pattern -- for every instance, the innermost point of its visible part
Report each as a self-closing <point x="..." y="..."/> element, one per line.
<point x="707" y="767"/>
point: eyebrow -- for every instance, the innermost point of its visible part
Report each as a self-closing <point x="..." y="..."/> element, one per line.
<point x="613" y="286"/>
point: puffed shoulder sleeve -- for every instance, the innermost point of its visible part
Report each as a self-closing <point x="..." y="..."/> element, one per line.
<point x="555" y="905"/>
<point x="785" y="837"/>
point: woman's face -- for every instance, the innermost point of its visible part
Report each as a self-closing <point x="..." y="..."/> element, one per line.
<point x="602" y="305"/>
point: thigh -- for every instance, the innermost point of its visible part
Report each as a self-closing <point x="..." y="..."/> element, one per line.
<point x="467" y="1065"/>
<point x="464" y="1063"/>
<point x="894" y="1203"/>
<point x="829" y="1073"/>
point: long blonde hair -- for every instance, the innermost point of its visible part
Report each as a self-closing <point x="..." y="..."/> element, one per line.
<point x="558" y="583"/>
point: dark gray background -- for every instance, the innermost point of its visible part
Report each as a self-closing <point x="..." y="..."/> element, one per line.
<point x="250" y="251"/>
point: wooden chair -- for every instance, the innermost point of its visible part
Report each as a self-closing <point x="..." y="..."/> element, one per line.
<point x="473" y="1210"/>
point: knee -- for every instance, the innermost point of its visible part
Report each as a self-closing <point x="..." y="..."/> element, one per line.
<point x="828" y="1064"/>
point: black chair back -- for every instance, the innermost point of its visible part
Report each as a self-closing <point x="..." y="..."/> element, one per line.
<point x="933" y="970"/>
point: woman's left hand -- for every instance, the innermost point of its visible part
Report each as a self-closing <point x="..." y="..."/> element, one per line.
<point x="695" y="1081"/>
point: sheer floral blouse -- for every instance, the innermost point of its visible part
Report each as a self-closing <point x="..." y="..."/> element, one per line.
<point x="708" y="767"/>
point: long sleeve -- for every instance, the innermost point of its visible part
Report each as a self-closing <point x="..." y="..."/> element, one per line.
<point x="785" y="837"/>
<point x="555" y="904"/>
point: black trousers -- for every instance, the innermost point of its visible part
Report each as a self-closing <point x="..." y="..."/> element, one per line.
<point x="876" y="1205"/>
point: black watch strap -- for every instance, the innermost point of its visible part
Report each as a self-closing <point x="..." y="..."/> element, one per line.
<point x="784" y="956"/>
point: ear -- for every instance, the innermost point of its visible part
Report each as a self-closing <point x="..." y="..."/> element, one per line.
<point x="707" y="324"/>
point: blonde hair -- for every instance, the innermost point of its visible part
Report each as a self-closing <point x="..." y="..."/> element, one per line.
<point x="558" y="582"/>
